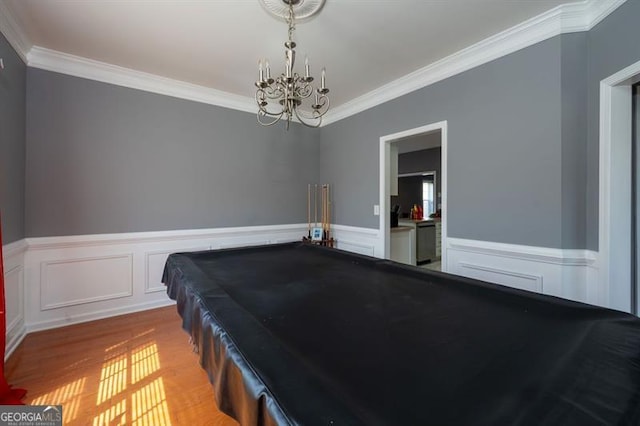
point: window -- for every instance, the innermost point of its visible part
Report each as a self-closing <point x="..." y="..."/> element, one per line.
<point x="428" y="201"/>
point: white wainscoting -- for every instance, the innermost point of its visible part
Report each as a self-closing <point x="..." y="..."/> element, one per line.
<point x="571" y="274"/>
<point x="13" y="254"/>
<point x="56" y="281"/>
<point x="82" y="278"/>
<point x="97" y="278"/>
<point x="358" y="240"/>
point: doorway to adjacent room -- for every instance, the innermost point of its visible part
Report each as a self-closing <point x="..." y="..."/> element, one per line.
<point x="403" y="143"/>
<point x="617" y="284"/>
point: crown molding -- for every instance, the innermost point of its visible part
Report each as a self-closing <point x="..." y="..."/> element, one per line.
<point x="13" y="31"/>
<point x="567" y="18"/>
<point x="77" y="66"/>
<point x="601" y="9"/>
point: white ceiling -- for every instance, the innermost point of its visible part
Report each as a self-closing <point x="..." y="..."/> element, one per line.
<point x="364" y="44"/>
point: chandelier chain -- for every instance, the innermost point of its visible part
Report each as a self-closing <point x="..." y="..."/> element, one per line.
<point x="291" y="21"/>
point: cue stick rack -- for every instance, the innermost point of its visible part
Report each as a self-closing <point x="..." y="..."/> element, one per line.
<point x="319" y="200"/>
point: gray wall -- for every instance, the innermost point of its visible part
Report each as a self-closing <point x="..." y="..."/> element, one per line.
<point x="504" y="149"/>
<point x="425" y="160"/>
<point x="613" y="45"/>
<point x="574" y="135"/>
<point x="12" y="143"/>
<point x="108" y="159"/>
<point x="523" y="139"/>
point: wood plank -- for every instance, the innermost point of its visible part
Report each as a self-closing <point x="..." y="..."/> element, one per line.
<point x="133" y="369"/>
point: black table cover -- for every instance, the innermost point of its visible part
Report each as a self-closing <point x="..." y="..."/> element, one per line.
<point x="298" y="334"/>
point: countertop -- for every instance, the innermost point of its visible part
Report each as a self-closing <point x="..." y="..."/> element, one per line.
<point x="401" y="228"/>
<point x="415" y="222"/>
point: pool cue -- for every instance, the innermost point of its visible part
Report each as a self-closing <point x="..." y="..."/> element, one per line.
<point x="328" y="218"/>
<point x="315" y="206"/>
<point x="324" y="211"/>
<point x="328" y="213"/>
<point x="309" y="211"/>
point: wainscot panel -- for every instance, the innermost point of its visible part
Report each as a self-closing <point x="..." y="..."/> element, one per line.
<point x="82" y="278"/>
<point x="571" y="274"/>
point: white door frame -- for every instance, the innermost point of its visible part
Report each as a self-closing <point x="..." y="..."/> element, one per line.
<point x="614" y="218"/>
<point x="385" y="187"/>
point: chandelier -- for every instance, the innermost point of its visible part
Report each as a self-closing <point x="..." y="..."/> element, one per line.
<point x="280" y="98"/>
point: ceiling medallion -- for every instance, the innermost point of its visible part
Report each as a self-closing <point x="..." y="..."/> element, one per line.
<point x="303" y="9"/>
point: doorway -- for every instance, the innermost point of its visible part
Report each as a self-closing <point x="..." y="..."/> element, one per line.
<point x="635" y="205"/>
<point x="386" y="171"/>
<point x="616" y="285"/>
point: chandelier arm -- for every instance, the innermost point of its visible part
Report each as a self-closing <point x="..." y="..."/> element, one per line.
<point x="305" y="90"/>
<point x="262" y="108"/>
<point x="274" y="92"/>
<point x="278" y="90"/>
<point x="271" y="123"/>
<point x="323" y="102"/>
<point x="306" y="120"/>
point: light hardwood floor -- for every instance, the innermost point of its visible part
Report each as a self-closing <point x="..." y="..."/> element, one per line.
<point x="135" y="369"/>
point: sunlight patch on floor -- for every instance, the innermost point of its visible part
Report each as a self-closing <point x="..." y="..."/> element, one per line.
<point x="145" y="401"/>
<point x="116" y="414"/>
<point x="144" y="361"/>
<point x="68" y="396"/>
<point x="113" y="378"/>
<point x="150" y="405"/>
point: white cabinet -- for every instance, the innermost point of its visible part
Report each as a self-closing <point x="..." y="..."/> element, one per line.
<point x="428" y="239"/>
<point x="403" y="245"/>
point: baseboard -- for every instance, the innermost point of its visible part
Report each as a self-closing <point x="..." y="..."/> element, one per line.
<point x="14" y="337"/>
<point x="571" y="274"/>
<point x="93" y="316"/>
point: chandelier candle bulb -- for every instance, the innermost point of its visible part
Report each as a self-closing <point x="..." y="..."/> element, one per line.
<point x="260" y="70"/>
<point x="268" y="71"/>
<point x="306" y="67"/>
<point x="324" y="76"/>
